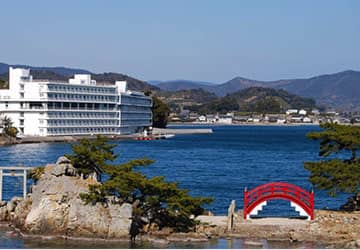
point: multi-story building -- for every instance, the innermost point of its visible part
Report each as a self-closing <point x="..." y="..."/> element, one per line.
<point x="78" y="107"/>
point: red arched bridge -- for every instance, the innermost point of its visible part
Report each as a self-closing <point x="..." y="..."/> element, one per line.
<point x="256" y="198"/>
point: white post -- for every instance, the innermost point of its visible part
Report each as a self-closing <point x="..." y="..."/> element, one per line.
<point x="25" y="180"/>
<point x="1" y="177"/>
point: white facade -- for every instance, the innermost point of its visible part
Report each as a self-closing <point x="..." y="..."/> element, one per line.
<point x="302" y="112"/>
<point x="77" y="107"/>
<point x="291" y="111"/>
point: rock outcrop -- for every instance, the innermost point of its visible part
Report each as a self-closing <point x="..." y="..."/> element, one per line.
<point x="55" y="208"/>
<point x="353" y="203"/>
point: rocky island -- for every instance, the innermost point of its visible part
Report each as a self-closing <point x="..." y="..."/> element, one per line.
<point x="54" y="209"/>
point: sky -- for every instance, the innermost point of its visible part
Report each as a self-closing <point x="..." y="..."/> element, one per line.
<point x="203" y="40"/>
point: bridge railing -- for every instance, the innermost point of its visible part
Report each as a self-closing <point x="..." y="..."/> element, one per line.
<point x="278" y="190"/>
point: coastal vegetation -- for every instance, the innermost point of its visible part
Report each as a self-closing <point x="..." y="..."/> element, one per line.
<point x="160" y="113"/>
<point x="339" y="173"/>
<point x="7" y="126"/>
<point x="3" y="84"/>
<point x="156" y="201"/>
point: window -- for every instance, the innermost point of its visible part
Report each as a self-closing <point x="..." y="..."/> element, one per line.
<point x="6" y="104"/>
<point x="21" y="122"/>
<point x="21" y="95"/>
<point x="21" y="114"/>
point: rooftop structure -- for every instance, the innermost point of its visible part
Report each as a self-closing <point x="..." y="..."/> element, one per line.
<point x="77" y="107"/>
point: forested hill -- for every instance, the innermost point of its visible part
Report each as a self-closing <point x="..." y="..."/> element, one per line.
<point x="256" y="99"/>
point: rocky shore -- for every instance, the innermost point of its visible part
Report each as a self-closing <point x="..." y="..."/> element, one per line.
<point x="54" y="210"/>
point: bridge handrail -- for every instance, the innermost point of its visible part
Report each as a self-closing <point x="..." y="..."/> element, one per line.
<point x="260" y="192"/>
<point x="278" y="185"/>
<point x="279" y="190"/>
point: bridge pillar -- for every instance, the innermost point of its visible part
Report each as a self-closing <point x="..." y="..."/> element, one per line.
<point x="24" y="184"/>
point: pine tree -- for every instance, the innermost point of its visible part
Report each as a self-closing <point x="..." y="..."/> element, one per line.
<point x="341" y="174"/>
<point x="91" y="156"/>
<point x="154" y="199"/>
<point x="160" y="113"/>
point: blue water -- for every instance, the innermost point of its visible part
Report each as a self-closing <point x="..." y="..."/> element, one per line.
<point x="218" y="165"/>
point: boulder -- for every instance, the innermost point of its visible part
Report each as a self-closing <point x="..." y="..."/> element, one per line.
<point x="3" y="213"/>
<point x="11" y="205"/>
<point x="120" y="220"/>
<point x="63" y="166"/>
<point x="3" y="203"/>
<point x="47" y="217"/>
<point x="87" y="220"/>
<point x="21" y="211"/>
<point x="63" y="160"/>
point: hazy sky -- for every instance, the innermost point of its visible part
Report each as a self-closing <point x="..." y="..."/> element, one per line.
<point x="199" y="39"/>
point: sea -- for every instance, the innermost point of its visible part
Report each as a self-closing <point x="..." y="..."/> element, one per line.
<point x="218" y="165"/>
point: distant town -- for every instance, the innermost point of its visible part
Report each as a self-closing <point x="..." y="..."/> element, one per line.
<point x="291" y="116"/>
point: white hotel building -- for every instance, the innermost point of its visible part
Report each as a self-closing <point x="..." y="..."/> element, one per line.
<point x="78" y="107"/>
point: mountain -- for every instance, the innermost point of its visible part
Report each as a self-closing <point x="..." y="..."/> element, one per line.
<point x="257" y="99"/>
<point x="340" y="90"/>
<point x="176" y="85"/>
<point x="58" y="70"/>
<point x="189" y="97"/>
<point x="63" y="74"/>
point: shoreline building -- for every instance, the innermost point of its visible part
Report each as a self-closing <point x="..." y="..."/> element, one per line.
<point x="77" y="107"/>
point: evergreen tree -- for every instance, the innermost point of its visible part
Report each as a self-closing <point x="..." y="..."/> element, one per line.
<point x="92" y="156"/>
<point x="340" y="174"/>
<point x="154" y="199"/>
<point x="8" y="128"/>
<point x="160" y="113"/>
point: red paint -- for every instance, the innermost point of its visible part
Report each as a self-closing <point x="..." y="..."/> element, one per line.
<point x="279" y="190"/>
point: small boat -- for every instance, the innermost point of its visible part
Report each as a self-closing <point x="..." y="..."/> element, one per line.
<point x="154" y="137"/>
<point x="167" y="136"/>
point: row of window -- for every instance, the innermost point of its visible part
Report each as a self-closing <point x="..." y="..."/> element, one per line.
<point x="126" y="100"/>
<point x="82" y="106"/>
<point x="135" y="123"/>
<point x="73" y="131"/>
<point x="105" y="115"/>
<point x="83" y="123"/>
<point x="82" y="97"/>
<point x="81" y="89"/>
<point x="128" y="116"/>
<point x="135" y="109"/>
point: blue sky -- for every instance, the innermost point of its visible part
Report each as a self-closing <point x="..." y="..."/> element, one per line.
<point x="199" y="39"/>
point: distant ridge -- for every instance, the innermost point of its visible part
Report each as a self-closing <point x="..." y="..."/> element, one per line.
<point x="339" y="90"/>
<point x="175" y="85"/>
<point x="63" y="73"/>
<point x="4" y="68"/>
